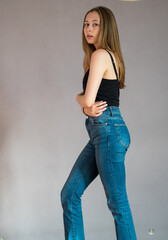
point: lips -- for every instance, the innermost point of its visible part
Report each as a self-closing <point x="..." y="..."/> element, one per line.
<point x="89" y="36"/>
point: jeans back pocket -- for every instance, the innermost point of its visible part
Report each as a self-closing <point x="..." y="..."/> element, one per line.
<point x="123" y="134"/>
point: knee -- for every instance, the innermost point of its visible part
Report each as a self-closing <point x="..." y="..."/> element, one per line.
<point x="118" y="205"/>
<point x="63" y="196"/>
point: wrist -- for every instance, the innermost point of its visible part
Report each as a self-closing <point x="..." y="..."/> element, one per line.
<point x="84" y="111"/>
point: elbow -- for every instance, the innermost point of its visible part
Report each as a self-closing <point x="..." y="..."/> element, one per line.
<point x="87" y="104"/>
<point x="89" y="101"/>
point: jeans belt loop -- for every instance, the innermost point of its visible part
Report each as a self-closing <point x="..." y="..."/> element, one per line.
<point x="111" y="111"/>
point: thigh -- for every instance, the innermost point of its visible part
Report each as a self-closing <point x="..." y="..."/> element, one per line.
<point x="83" y="172"/>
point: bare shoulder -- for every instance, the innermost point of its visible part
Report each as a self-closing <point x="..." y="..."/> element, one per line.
<point x="100" y="53"/>
<point x="97" y="64"/>
<point x="99" y="56"/>
<point x="110" y="73"/>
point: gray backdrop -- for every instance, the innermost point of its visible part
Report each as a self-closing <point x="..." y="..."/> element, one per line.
<point x="42" y="128"/>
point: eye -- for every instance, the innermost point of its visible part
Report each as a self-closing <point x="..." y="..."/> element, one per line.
<point x="94" y="24"/>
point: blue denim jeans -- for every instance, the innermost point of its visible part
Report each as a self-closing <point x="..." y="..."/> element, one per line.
<point x="104" y="154"/>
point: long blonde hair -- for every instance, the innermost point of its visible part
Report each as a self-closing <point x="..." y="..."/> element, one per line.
<point x="108" y="38"/>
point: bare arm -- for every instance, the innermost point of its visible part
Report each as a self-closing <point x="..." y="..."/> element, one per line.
<point x="97" y="69"/>
<point x="96" y="109"/>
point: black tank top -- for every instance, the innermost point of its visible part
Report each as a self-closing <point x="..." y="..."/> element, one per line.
<point x="109" y="90"/>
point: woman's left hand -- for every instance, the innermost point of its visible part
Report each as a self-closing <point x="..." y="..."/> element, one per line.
<point x="96" y="109"/>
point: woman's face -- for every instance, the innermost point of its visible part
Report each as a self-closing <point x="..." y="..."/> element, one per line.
<point x="92" y="27"/>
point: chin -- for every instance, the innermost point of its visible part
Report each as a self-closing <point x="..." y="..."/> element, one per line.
<point x="91" y="42"/>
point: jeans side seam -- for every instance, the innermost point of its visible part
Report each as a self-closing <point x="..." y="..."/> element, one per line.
<point x="116" y="188"/>
<point x="109" y="153"/>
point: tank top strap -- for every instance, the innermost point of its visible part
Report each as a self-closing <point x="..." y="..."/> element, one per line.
<point x="113" y="63"/>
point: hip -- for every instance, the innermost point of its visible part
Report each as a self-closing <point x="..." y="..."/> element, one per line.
<point x="109" y="125"/>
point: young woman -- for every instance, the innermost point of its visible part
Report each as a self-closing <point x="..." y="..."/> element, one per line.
<point x="109" y="138"/>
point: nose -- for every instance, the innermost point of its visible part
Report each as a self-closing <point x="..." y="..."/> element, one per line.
<point x="89" y="28"/>
<point x="89" y="31"/>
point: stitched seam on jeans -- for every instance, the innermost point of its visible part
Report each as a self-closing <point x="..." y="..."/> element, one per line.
<point x="73" y="230"/>
<point x="128" y="231"/>
<point x="117" y="192"/>
<point x="126" y="146"/>
<point x="83" y="174"/>
<point x="126" y="216"/>
<point x="73" y="235"/>
<point x="110" y="164"/>
<point x="100" y="123"/>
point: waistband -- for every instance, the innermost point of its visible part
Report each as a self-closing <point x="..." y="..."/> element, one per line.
<point x="112" y="111"/>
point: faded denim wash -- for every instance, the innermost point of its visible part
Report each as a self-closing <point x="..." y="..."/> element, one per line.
<point x="104" y="154"/>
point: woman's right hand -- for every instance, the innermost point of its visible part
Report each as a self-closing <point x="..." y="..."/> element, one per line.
<point x="96" y="109"/>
